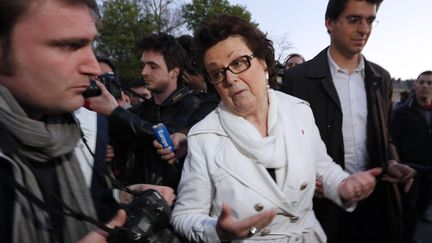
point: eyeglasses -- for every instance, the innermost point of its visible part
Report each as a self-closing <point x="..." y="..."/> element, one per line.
<point x="356" y="20"/>
<point x="237" y="66"/>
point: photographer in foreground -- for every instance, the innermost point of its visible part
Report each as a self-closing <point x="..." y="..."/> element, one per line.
<point x="43" y="195"/>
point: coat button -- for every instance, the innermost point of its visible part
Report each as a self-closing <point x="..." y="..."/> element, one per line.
<point x="265" y="231"/>
<point x="294" y="219"/>
<point x="259" y="207"/>
<point x="303" y="186"/>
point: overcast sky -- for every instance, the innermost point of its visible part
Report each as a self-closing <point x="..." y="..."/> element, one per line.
<point x="401" y="42"/>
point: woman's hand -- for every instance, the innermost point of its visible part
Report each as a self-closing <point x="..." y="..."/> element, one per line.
<point x="358" y="186"/>
<point x="229" y="229"/>
<point x="100" y="236"/>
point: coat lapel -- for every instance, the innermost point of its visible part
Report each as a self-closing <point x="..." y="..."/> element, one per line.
<point x="319" y="70"/>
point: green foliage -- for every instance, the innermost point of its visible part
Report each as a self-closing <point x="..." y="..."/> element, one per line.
<point x="123" y="24"/>
<point x="199" y="10"/>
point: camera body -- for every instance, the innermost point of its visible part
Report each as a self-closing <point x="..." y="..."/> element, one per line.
<point x="192" y="67"/>
<point x="147" y="213"/>
<point x="111" y="82"/>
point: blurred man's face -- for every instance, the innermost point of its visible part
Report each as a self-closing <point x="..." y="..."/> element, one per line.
<point x="423" y="87"/>
<point x="143" y="91"/>
<point x="52" y="52"/>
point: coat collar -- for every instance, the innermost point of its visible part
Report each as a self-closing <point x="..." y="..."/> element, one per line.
<point x="255" y="176"/>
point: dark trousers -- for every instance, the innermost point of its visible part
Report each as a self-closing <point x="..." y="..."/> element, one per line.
<point x="373" y="221"/>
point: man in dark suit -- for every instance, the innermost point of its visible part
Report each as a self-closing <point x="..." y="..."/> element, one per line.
<point x="351" y="98"/>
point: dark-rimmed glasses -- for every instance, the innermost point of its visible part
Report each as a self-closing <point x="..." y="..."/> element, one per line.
<point x="237" y="66"/>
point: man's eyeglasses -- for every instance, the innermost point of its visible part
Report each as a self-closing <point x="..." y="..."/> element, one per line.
<point x="237" y="66"/>
<point x="356" y="20"/>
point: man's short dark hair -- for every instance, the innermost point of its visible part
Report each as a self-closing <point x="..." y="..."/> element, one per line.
<point x="165" y="44"/>
<point x="11" y="11"/>
<point x="336" y="7"/>
<point x="428" y="72"/>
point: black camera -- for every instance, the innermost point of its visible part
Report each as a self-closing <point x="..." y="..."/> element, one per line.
<point x="147" y="213"/>
<point x="111" y="83"/>
<point x="192" y="67"/>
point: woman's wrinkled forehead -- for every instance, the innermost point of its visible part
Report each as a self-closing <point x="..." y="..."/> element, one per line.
<point x="226" y="49"/>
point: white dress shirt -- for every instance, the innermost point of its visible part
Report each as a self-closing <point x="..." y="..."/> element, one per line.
<point x="352" y="96"/>
<point x="88" y="123"/>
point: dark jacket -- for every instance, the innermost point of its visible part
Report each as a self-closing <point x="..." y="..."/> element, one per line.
<point x="412" y="135"/>
<point x="132" y="138"/>
<point x="312" y="81"/>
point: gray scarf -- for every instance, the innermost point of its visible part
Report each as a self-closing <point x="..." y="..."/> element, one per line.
<point x="42" y="141"/>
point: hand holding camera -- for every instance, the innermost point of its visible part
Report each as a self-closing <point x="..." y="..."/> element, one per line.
<point x="104" y="103"/>
<point x="146" y="214"/>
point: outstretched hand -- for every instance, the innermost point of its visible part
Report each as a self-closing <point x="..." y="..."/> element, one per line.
<point x="229" y="229"/>
<point x="358" y="186"/>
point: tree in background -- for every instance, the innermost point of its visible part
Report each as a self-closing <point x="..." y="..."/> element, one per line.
<point x="164" y="15"/>
<point x="282" y="46"/>
<point x="122" y="25"/>
<point x="125" y="22"/>
<point x="199" y="10"/>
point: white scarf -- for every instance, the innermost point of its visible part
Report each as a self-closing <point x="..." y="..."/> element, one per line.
<point x="269" y="151"/>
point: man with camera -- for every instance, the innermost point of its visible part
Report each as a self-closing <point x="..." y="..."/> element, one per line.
<point x="46" y="61"/>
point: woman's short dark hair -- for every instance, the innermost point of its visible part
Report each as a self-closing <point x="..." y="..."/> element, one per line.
<point x="223" y="26"/>
<point x="336" y="7"/>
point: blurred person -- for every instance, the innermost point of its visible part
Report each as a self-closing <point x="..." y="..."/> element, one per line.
<point x="196" y="80"/>
<point x="293" y="60"/>
<point x="403" y="97"/>
<point x="411" y="130"/>
<point x="107" y="67"/>
<point x="46" y="61"/>
<point x="252" y="162"/>
<point x="138" y="92"/>
<point x="350" y="98"/>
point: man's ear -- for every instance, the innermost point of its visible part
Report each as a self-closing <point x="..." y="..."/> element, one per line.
<point x="329" y="25"/>
<point x="175" y="72"/>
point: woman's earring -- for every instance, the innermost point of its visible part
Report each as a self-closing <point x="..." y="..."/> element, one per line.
<point x="267" y="76"/>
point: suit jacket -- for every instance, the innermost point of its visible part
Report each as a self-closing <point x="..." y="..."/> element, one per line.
<point x="217" y="172"/>
<point x="312" y="81"/>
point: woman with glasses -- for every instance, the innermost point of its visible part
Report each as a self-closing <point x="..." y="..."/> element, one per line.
<point x="252" y="163"/>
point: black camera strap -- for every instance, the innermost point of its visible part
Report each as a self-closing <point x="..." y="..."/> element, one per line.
<point x="115" y="183"/>
<point x="68" y="211"/>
